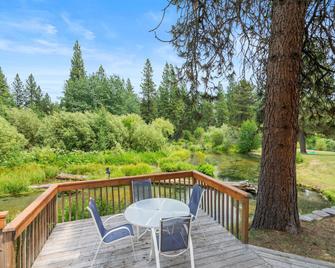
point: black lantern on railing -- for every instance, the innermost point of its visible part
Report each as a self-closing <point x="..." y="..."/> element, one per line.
<point x="108" y="172"/>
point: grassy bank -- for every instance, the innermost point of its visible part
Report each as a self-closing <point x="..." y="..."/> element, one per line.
<point x="317" y="171"/>
<point x="315" y="241"/>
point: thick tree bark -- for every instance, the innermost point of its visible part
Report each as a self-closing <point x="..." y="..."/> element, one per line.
<point x="302" y="141"/>
<point x="277" y="196"/>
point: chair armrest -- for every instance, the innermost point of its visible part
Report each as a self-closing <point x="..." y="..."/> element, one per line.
<point x="112" y="217"/>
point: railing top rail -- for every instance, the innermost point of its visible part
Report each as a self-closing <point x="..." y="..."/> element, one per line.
<point x="19" y="224"/>
<point x="221" y="186"/>
<point x="68" y="186"/>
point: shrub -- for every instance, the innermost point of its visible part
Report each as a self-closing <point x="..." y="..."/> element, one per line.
<point x="69" y="131"/>
<point x="137" y="169"/>
<point x="108" y="129"/>
<point x="164" y="126"/>
<point x="15" y="187"/>
<point x="207" y="169"/>
<point x="249" y="138"/>
<point x="26" y="122"/>
<point x="221" y="139"/>
<point x="11" y="142"/>
<point x="330" y="194"/>
<point x="199" y="133"/>
<point x="330" y="145"/>
<point x="298" y="158"/>
<point x="320" y="144"/>
<point x="187" y="135"/>
<point x="175" y="166"/>
<point x="147" y="138"/>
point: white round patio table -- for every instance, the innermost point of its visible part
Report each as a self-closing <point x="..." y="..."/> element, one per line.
<point x="148" y="212"/>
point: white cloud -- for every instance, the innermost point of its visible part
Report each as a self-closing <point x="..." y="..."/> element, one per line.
<point x="38" y="46"/>
<point x="31" y="25"/>
<point x="77" y="27"/>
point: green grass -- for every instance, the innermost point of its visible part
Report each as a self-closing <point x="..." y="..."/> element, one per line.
<point x="318" y="172"/>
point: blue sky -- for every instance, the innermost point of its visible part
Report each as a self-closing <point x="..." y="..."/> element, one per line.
<point x="36" y="36"/>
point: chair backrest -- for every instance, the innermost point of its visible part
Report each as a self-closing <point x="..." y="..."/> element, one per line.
<point x="141" y="189"/>
<point x="92" y="208"/>
<point x="174" y="233"/>
<point x="195" y="199"/>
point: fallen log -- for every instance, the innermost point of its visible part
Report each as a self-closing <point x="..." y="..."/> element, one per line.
<point x="71" y="177"/>
<point x="244" y="186"/>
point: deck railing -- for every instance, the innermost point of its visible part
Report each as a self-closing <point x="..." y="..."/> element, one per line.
<point x="23" y="238"/>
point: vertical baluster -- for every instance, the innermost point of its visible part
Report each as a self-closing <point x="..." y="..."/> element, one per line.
<point x="179" y="188"/>
<point x="101" y="198"/>
<point x="82" y="203"/>
<point x="33" y="240"/>
<point x="70" y="205"/>
<point x="219" y="207"/>
<point x="89" y="193"/>
<point x="164" y="185"/>
<point x="118" y="195"/>
<point x="208" y="194"/>
<point x="227" y="211"/>
<point x="125" y="198"/>
<point x="62" y="206"/>
<point x="19" y="252"/>
<point x="223" y="210"/>
<point x="215" y="204"/>
<point x="203" y="196"/>
<point x="237" y="214"/>
<point x="113" y="204"/>
<point x="174" y="187"/>
<point x="159" y="188"/>
<point x="170" y="182"/>
<point x="211" y="202"/>
<point x="107" y="201"/>
<point x="24" y="249"/>
<point x="189" y="187"/>
<point x="232" y="215"/>
<point x="95" y="193"/>
<point x="76" y="206"/>
<point x="185" y="200"/>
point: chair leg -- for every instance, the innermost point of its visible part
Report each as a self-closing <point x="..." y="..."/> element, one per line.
<point x="132" y="245"/>
<point x="191" y="253"/>
<point x="96" y="253"/>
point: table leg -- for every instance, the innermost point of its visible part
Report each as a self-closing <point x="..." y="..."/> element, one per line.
<point x="153" y="233"/>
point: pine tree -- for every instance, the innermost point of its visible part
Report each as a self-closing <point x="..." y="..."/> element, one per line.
<point x="241" y="102"/>
<point x="220" y="106"/>
<point x="32" y="92"/>
<point x="46" y="106"/>
<point x="5" y="96"/>
<point x="131" y="103"/>
<point x="18" y="91"/>
<point x="163" y="94"/>
<point x="77" y="63"/>
<point x="148" y="103"/>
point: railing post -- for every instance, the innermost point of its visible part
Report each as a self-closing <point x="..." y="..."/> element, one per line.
<point x="245" y="220"/>
<point x="7" y="239"/>
<point x="3" y="215"/>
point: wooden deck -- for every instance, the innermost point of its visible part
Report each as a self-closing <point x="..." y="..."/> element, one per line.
<point x="73" y="244"/>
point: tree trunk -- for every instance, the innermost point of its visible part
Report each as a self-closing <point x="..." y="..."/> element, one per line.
<point x="302" y="141"/>
<point x="277" y="194"/>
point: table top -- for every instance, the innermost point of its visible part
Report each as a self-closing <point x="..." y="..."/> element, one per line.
<point x="148" y="212"/>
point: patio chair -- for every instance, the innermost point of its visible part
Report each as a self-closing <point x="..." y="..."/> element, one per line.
<point x="173" y="239"/>
<point x="141" y="189"/>
<point x="112" y="235"/>
<point x="195" y="201"/>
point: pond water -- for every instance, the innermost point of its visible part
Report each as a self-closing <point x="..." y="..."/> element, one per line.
<point x="236" y="167"/>
<point x="15" y="204"/>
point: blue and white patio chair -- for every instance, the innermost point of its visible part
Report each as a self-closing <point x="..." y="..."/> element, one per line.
<point x="141" y="189"/>
<point x="194" y="203"/>
<point x="112" y="235"/>
<point x="195" y="200"/>
<point x="173" y="239"/>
